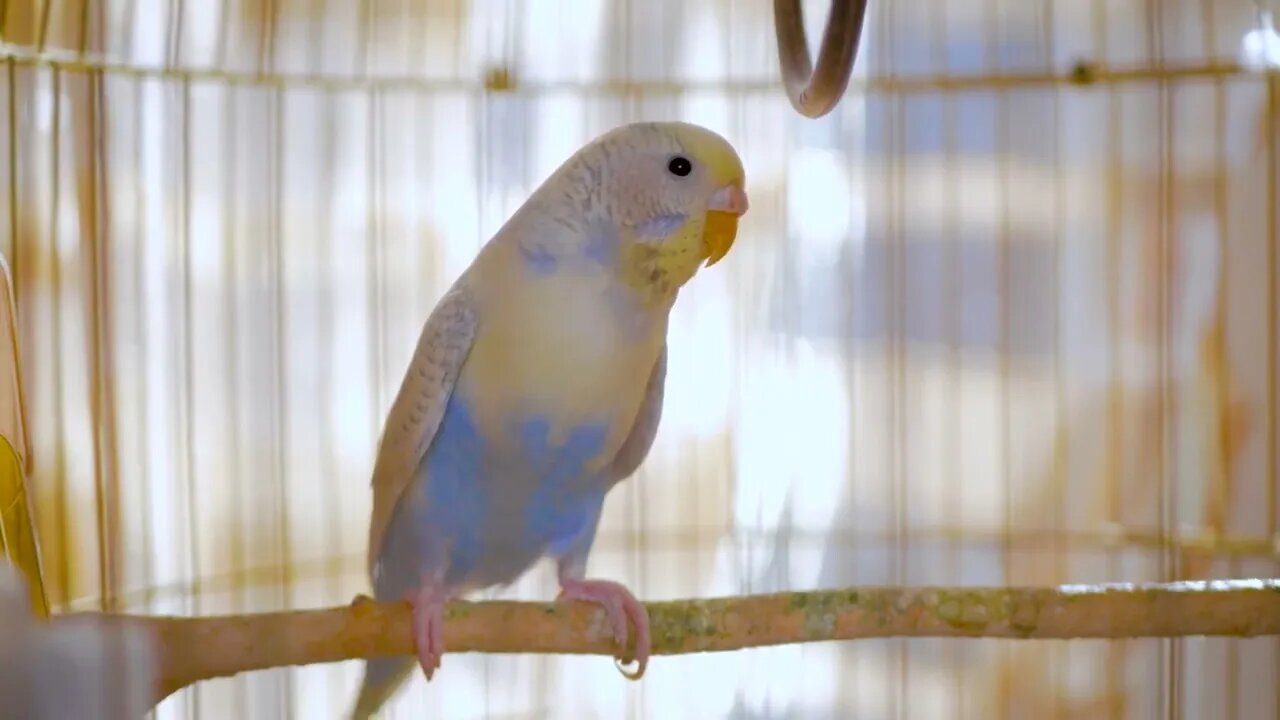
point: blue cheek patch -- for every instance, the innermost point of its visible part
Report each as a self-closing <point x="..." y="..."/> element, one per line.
<point x="659" y="227"/>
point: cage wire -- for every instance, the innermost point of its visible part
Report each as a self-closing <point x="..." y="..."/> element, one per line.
<point x="1007" y="315"/>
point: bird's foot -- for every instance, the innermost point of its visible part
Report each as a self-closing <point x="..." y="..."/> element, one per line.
<point x="428" y="625"/>
<point x="621" y="606"/>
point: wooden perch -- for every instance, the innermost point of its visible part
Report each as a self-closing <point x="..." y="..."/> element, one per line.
<point x="195" y="649"/>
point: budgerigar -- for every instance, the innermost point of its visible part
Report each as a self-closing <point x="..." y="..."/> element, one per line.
<point x="537" y="382"/>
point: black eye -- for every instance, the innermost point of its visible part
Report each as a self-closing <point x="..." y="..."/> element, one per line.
<point x="680" y="166"/>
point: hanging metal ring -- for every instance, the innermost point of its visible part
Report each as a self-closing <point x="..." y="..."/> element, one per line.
<point x="813" y="93"/>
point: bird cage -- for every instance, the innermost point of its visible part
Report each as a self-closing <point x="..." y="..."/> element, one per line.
<point x="17" y="530"/>
<point x="1004" y="316"/>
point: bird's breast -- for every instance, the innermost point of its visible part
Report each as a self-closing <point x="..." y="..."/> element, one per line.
<point x="566" y="356"/>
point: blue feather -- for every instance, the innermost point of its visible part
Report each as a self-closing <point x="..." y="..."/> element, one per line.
<point x="538" y="259"/>
<point x="659" y="227"/>
<point x="489" y="510"/>
<point x="567" y="498"/>
<point x="602" y="245"/>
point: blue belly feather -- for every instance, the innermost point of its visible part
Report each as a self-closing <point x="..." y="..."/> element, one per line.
<point x="495" y="511"/>
<point x="566" y="497"/>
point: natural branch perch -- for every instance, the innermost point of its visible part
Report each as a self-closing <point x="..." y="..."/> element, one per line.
<point x="194" y="649"/>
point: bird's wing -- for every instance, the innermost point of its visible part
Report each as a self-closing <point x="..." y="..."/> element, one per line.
<point x="419" y="407"/>
<point x="645" y="428"/>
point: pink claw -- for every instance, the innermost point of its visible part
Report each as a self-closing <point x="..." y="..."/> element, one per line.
<point x="621" y="606"/>
<point x="428" y="626"/>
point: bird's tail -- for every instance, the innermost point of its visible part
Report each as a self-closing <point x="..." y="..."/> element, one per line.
<point x="382" y="677"/>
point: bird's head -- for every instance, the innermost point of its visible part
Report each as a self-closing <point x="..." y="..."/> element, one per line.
<point x="655" y="200"/>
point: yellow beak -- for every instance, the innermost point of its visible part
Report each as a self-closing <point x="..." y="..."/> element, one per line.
<point x="727" y="205"/>
<point x="718" y="235"/>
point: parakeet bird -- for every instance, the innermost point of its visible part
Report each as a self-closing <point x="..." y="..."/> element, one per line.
<point x="537" y="383"/>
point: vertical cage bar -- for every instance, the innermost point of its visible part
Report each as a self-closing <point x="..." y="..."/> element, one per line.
<point x="59" y="474"/>
<point x="895" y="301"/>
<point x="279" y="354"/>
<point x="1117" y="653"/>
<point x="95" y="204"/>
<point x="185" y="398"/>
<point x="1004" y="432"/>
<point x="1170" y="649"/>
<point x="1059" y="657"/>
<point x="231" y="343"/>
<point x="16" y="256"/>
<point x="1273" y="238"/>
<point x="173" y="45"/>
<point x="42" y="30"/>
<point x="139" y="269"/>
<point x="1220" y="499"/>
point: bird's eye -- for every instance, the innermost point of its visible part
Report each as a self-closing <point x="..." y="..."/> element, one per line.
<point x="680" y="166"/>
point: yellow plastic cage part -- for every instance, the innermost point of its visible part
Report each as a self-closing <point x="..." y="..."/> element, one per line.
<point x="17" y="526"/>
